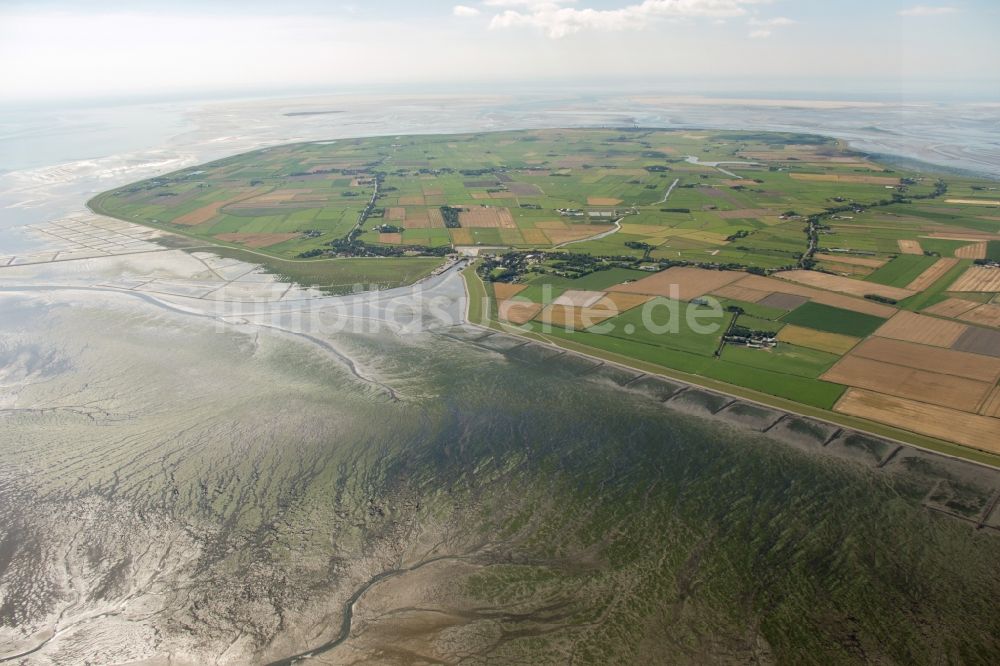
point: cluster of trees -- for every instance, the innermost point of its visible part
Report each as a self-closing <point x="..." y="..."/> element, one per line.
<point x="450" y="215"/>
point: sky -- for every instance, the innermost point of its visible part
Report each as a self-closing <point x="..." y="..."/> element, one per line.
<point x="59" y="49"/>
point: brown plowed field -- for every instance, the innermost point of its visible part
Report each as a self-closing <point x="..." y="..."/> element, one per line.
<point x="825" y="297"/>
<point x="680" y="282"/>
<point x="602" y="201"/>
<point x="390" y="239"/>
<point x="411" y="201"/>
<point x="979" y="432"/>
<point x="933" y="273"/>
<point x="739" y="293"/>
<point x="395" y="214"/>
<point x="932" y="359"/>
<point x="908" y="382"/>
<point x="978" y="278"/>
<point x="909" y="247"/>
<point x="843" y="285"/>
<point x="922" y="329"/>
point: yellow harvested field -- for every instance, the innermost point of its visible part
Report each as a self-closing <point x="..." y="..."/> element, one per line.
<point x="978" y="278"/>
<point x="951" y="307"/>
<point x="646" y="230"/>
<point x="991" y="406"/>
<point x="909" y="247"/>
<point x="568" y="316"/>
<point x="435" y="217"/>
<point x="681" y="283"/>
<point x="257" y="240"/>
<point x="738" y="293"/>
<point x="390" y="239"/>
<point x="611" y="305"/>
<point x="978" y="432"/>
<point x="848" y="259"/>
<point x="908" y="382"/>
<point x="974" y="202"/>
<point x="535" y="236"/>
<point x="984" y="315"/>
<point x="511" y="237"/>
<point x="964" y="236"/>
<point x="825" y="297"/>
<point x="932" y="359"/>
<point x="744" y="213"/>
<point x="461" y="236"/>
<point x="518" y="312"/>
<point x="845" y="178"/>
<point x="922" y="329"/>
<point x="933" y="273"/>
<point x="843" y="285"/>
<point x="208" y="211"/>
<point x="813" y="339"/>
<point x="577" y="232"/>
<point x="974" y="251"/>
<point x="395" y="214"/>
<point x="602" y="201"/>
<point x="505" y="290"/>
<point x="848" y="270"/>
<point x="417" y="222"/>
<point x="487" y="217"/>
<point x="578" y="298"/>
<point x="622" y="302"/>
<point x="551" y="224"/>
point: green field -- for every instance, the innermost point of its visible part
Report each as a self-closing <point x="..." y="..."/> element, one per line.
<point x="833" y="320"/>
<point x="993" y="250"/>
<point x="902" y="270"/>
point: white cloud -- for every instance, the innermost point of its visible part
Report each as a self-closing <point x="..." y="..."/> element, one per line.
<point x="777" y="21"/>
<point x="760" y="34"/>
<point x="558" y="21"/>
<point x="924" y="10"/>
<point x="464" y="11"/>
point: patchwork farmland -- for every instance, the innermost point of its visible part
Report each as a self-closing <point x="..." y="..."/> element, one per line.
<point x="834" y="282"/>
